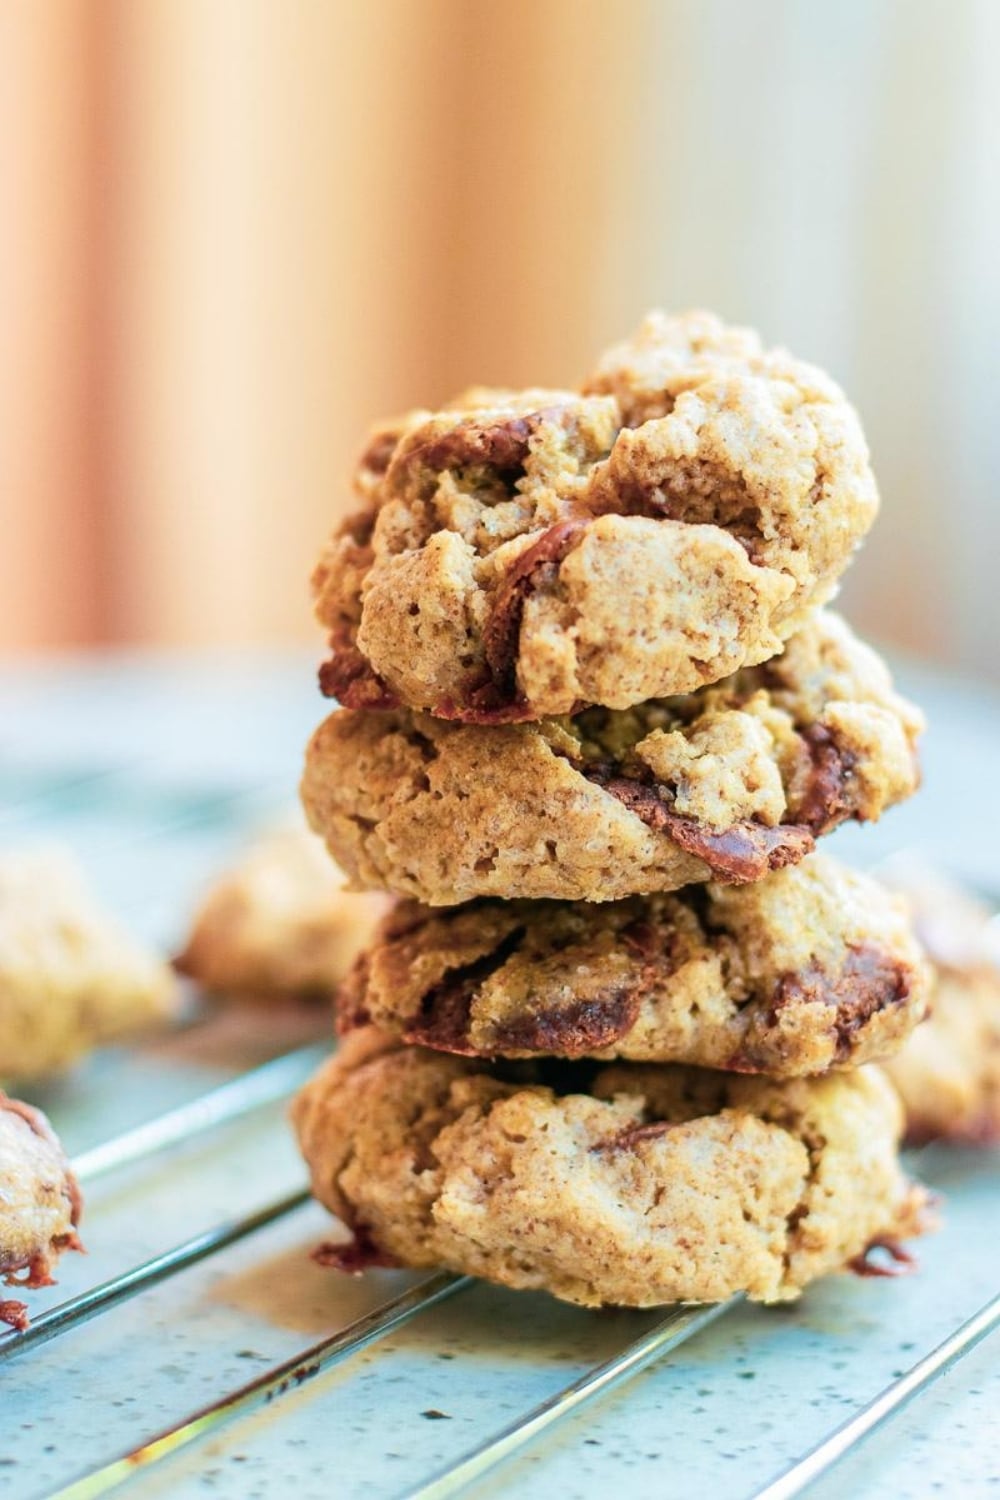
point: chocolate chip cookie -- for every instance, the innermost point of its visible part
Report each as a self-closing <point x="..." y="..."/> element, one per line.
<point x="627" y="1185"/>
<point x="519" y="554"/>
<point x="812" y="969"/>
<point x="729" y="783"/>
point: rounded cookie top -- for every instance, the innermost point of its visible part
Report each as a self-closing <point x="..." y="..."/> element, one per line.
<point x="813" y="969"/>
<point x="40" y="1203"/>
<point x="518" y="554"/>
<point x="71" y="978"/>
<point x="728" y="783"/>
<point x="627" y="1185"/>
<point x="948" y="1074"/>
<point x="279" y="923"/>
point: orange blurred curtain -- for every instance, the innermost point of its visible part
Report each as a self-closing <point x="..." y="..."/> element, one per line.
<point x="235" y="232"/>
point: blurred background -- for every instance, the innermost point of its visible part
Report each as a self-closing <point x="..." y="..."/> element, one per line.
<point x="235" y="231"/>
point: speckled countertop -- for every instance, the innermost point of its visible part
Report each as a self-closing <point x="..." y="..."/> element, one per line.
<point x="154" y="769"/>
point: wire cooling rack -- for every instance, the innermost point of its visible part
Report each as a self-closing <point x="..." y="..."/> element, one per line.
<point x="198" y="1350"/>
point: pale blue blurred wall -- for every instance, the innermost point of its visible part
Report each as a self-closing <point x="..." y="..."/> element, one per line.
<point x="831" y="172"/>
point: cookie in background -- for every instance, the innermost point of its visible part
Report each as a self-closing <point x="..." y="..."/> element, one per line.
<point x="71" y="977"/>
<point x="948" y="1074"/>
<point x="279" y="923"/>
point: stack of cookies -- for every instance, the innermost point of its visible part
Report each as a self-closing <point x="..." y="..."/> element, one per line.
<point x="594" y="718"/>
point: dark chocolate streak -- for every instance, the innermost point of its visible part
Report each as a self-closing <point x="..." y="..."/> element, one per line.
<point x="503" y="626"/>
<point x="574" y="1030"/>
<point x="443" y="1022"/>
<point x="500" y="444"/>
<point x="826" y="801"/>
<point x="486" y="705"/>
<point x="348" y="677"/>
<point x="747" y="851"/>
<point x="869" y="981"/>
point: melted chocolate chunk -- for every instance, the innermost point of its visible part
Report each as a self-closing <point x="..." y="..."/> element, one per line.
<point x="348" y="677"/>
<point x="574" y="1030"/>
<point x="499" y="444"/>
<point x="900" y="1263"/>
<point x="747" y="851"/>
<point x="443" y="1022"/>
<point x="349" y="1003"/>
<point x="359" y="1254"/>
<point x="485" y="705"/>
<point x="503" y="626"/>
<point x="14" y="1314"/>
<point x="826" y="799"/>
<point x="869" y="981"/>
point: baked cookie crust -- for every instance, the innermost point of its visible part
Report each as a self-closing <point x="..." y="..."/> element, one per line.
<point x="518" y="554"/>
<point x="632" y="1186"/>
<point x="729" y="783"/>
<point x="812" y="969"/>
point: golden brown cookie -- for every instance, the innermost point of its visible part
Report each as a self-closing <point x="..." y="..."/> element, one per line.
<point x="812" y="969"/>
<point x="40" y="1203"/>
<point x="279" y="923"/>
<point x="627" y="1185"/>
<point x="949" y="1071"/>
<point x="728" y="783"/>
<point x="518" y="554"/>
<point x="70" y="977"/>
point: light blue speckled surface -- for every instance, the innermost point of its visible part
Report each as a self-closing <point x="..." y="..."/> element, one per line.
<point x="204" y="751"/>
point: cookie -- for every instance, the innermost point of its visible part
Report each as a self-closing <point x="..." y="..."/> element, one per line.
<point x="279" y="923"/>
<point x="812" y="969"/>
<point x="70" y="977"/>
<point x="519" y="554"/>
<point x="728" y="783"/>
<point x="948" y="1074"/>
<point x="40" y="1203"/>
<point x="630" y="1185"/>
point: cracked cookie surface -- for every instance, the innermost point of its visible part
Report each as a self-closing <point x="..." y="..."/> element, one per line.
<point x="812" y="969"/>
<point x="518" y="554"/>
<point x="948" y="1074"/>
<point x="628" y="1185"/>
<point x="279" y="923"/>
<point x="729" y="783"/>
<point x="40" y="1203"/>
<point x="71" y="978"/>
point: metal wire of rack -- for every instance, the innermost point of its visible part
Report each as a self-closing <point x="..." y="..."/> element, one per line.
<point x="274" y="1081"/>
